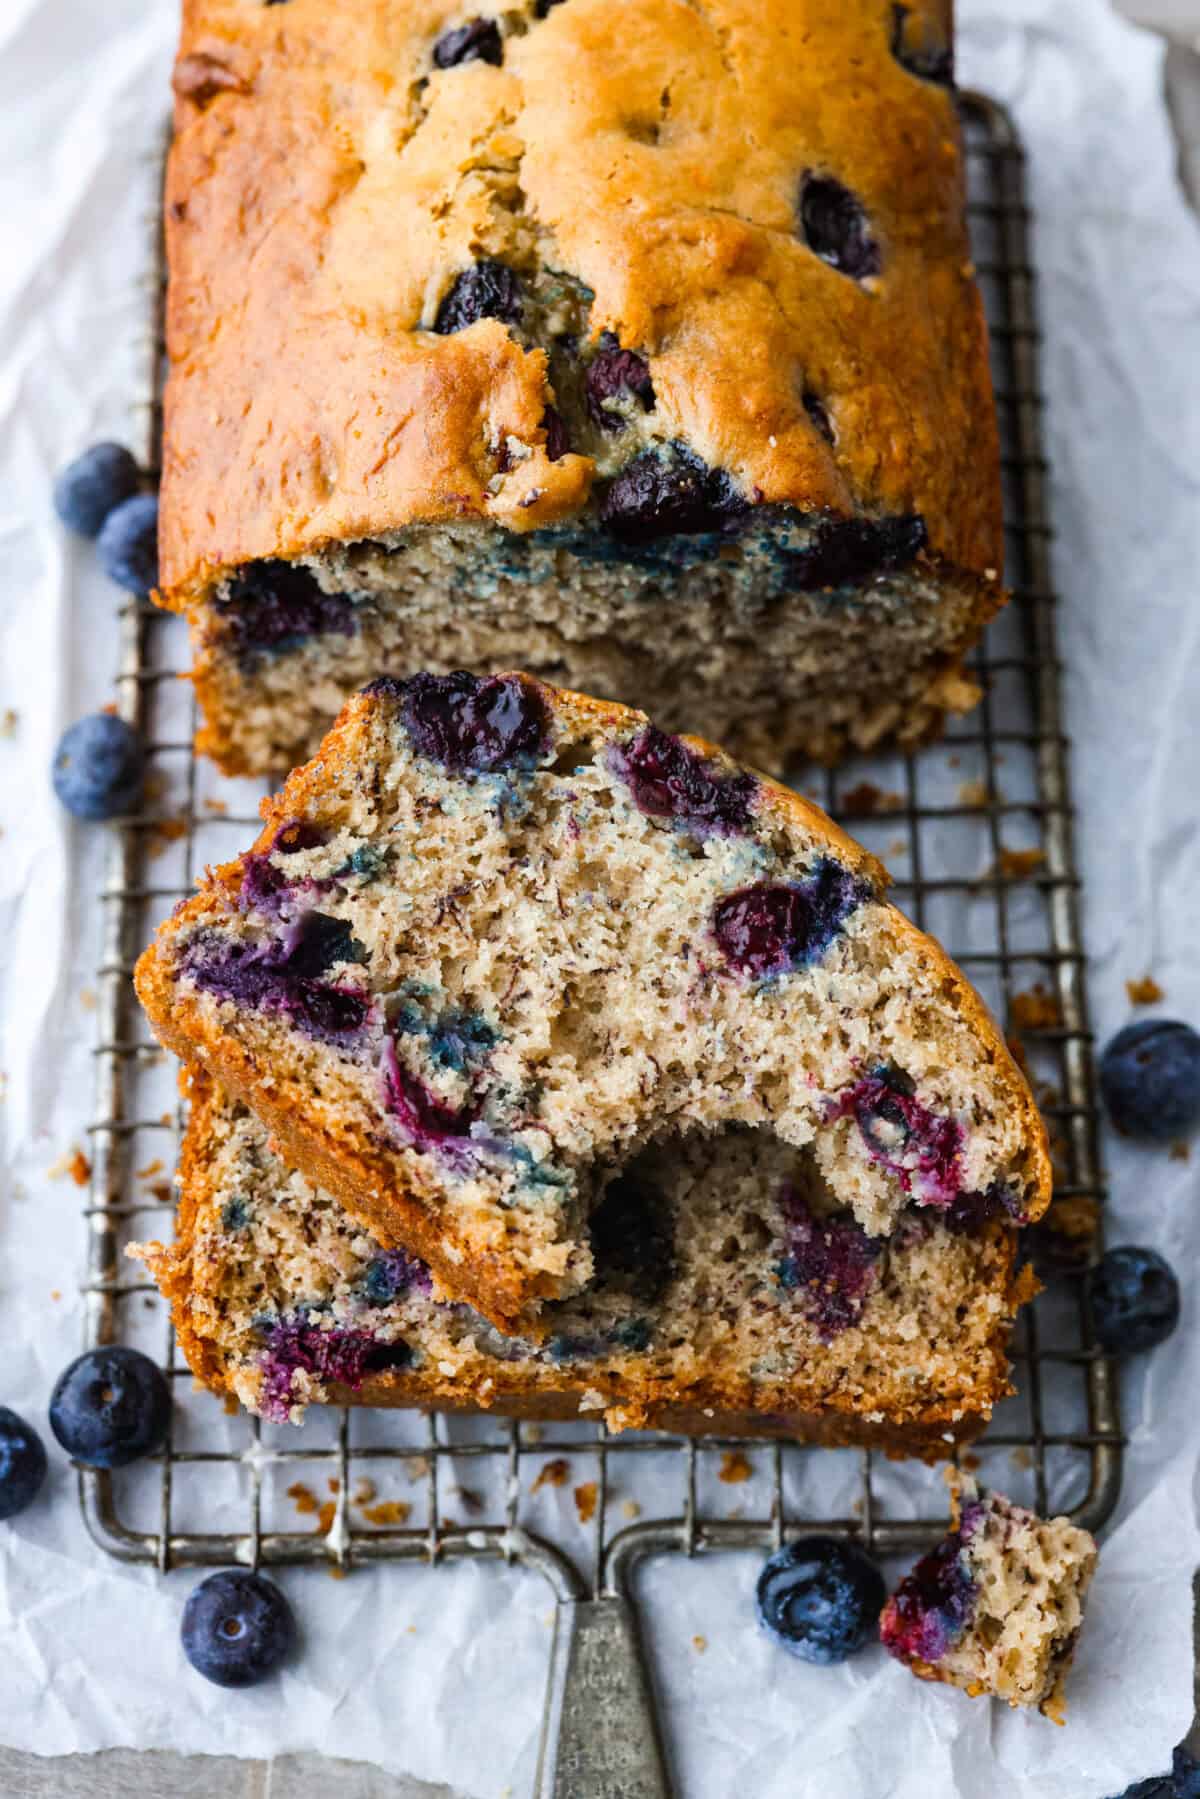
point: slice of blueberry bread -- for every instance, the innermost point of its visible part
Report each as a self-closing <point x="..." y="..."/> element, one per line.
<point x="725" y="1296"/>
<point x="648" y="356"/>
<point x="495" y="939"/>
<point x="997" y="1607"/>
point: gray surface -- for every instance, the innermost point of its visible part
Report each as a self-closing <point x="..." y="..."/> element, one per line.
<point x="157" y="1775"/>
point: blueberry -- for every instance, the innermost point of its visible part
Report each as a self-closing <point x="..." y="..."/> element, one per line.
<point x="487" y="290"/>
<point x="611" y="374"/>
<point x="920" y="48"/>
<point x="829" y="1264"/>
<point x="476" y="41"/>
<point x="558" y="440"/>
<point x="770" y="928"/>
<point x="846" y="551"/>
<point x="22" y="1463"/>
<point x="668" y="780"/>
<point x="391" y="1274"/>
<point x="1135" y="1300"/>
<point x="542" y="7"/>
<point x="92" y="486"/>
<point x="321" y="943"/>
<point x="97" y="770"/>
<point x="469" y="723"/>
<point x="1150" y="1079"/>
<point x="272" y="606"/>
<point x="1158" y="1786"/>
<point x="1185" y="1770"/>
<point x="110" y="1407"/>
<point x="237" y="1628"/>
<point x="128" y="544"/>
<point x="631" y="1240"/>
<point x="818" y="412"/>
<point x="835" y="227"/>
<point x="669" y="490"/>
<point x="820" y="1598"/>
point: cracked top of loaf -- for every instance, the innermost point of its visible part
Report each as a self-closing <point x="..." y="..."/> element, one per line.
<point x="761" y="201"/>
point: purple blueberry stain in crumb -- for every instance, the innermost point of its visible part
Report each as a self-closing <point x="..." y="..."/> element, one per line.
<point x="615" y="374"/>
<point x="921" y="1148"/>
<point x="558" y="442"/>
<point x="845" y="552"/>
<point x="330" y="1355"/>
<point x="772" y="928"/>
<point x="487" y="290"/>
<point x="836" y="227"/>
<point x="969" y="1213"/>
<point x="478" y="40"/>
<point x="272" y="606"/>
<point x="266" y="888"/>
<point x="666" y="779"/>
<point x="392" y="1274"/>
<point x="670" y="490"/>
<point x="932" y="1607"/>
<point x="829" y="1264"/>
<point x="281" y="975"/>
<point x="430" y="1124"/>
<point x="470" y="724"/>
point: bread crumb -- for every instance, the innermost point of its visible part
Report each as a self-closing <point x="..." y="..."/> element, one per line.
<point x="976" y="794"/>
<point x="533" y="1434"/>
<point x="56" y="1292"/>
<point x="336" y="1572"/>
<point x="87" y="999"/>
<point x="1179" y="1152"/>
<point x="866" y="801"/>
<point x="1036" y="1010"/>
<point x="585" y="1501"/>
<point x="954" y="761"/>
<point x="471" y="1502"/>
<point x="552" y="1474"/>
<point x="8" y="722"/>
<point x="1017" y="865"/>
<point x="631" y="1509"/>
<point x="699" y="1644"/>
<point x="1145" y="992"/>
<point x="326" y="1516"/>
<point x="72" y="1162"/>
<point x="305" y="1499"/>
<point x="335" y="1485"/>
<point x="897" y="847"/>
<point x="388" y="1511"/>
<point x="1021" y="1458"/>
<point x="229" y="1405"/>
<point x="218" y="806"/>
<point x="735" y="1468"/>
<point x="364" y="1492"/>
<point x="165" y="832"/>
<point x="416" y="1466"/>
<point x="154" y="1167"/>
<point x="970" y="1461"/>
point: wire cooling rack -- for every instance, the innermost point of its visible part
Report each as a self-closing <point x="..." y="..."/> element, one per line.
<point x="977" y="831"/>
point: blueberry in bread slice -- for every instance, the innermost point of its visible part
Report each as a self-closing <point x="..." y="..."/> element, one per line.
<point x="997" y="1606"/>
<point x="724" y="1297"/>
<point x="495" y="939"/>
<point x="651" y="359"/>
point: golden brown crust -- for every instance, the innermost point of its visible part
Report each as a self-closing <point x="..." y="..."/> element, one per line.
<point x="727" y="1405"/>
<point x="326" y="184"/>
<point x="365" y="1178"/>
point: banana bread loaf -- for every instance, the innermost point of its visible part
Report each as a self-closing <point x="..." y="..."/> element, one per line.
<point x="495" y="939"/>
<point x="640" y="350"/>
<point x="998" y="1605"/>
<point x="724" y="1298"/>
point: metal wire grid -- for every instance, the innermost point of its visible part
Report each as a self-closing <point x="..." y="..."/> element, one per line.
<point x="978" y="832"/>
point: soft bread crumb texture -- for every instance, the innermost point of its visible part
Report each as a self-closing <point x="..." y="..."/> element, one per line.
<point x="718" y="1334"/>
<point x="563" y="939"/>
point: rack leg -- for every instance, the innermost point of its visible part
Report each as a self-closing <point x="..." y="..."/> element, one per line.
<point x="600" y="1735"/>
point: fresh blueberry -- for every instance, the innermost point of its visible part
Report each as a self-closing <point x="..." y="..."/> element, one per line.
<point x="836" y="229"/>
<point x="612" y="374"/>
<point x="110" y="1407"/>
<point x="919" y="47"/>
<point x="770" y="928"/>
<point x="466" y="722"/>
<point x="97" y="770"/>
<point x="1135" y="1300"/>
<point x="1185" y="1770"/>
<point x="631" y="1240"/>
<point x="237" y="1628"/>
<point x="843" y="552"/>
<point x="476" y="41"/>
<point x="487" y="290"/>
<point x="820" y="1598"/>
<point x="1150" y="1079"/>
<point x="128" y="544"/>
<point x="94" y="485"/>
<point x="669" y="490"/>
<point x="22" y="1463"/>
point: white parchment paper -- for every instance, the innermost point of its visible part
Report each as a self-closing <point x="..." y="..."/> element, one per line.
<point x="442" y="1676"/>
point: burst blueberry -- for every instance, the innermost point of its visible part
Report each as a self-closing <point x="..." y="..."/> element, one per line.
<point x="237" y="1628"/>
<point x="667" y="491"/>
<point x="265" y="977"/>
<point x="836" y="228"/>
<point x="614" y="375"/>
<point x="478" y="40"/>
<point x="829" y="1264"/>
<point x="270" y="607"/>
<point x="94" y="485"/>
<point x="22" y="1463"/>
<point x="332" y="1355"/>
<point x="820" y="1599"/>
<point x="848" y="551"/>
<point x="921" y="1148"/>
<point x="97" y="771"/>
<point x="932" y="1607"/>
<point x="487" y="290"/>
<point x="1134" y="1299"/>
<point x="1150" y="1079"/>
<point x="669" y="780"/>
<point x="471" y="724"/>
<point x="392" y="1274"/>
<point x="772" y="927"/>
<point x="110" y="1407"/>
<point x="128" y="544"/>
